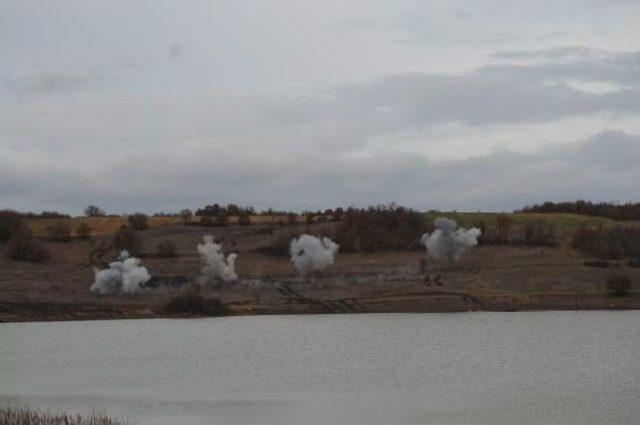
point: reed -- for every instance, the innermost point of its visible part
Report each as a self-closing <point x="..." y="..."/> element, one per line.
<point x="26" y="416"/>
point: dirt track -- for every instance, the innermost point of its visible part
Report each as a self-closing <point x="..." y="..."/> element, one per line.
<point x="488" y="278"/>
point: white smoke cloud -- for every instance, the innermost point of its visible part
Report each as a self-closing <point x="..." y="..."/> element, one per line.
<point x="447" y="243"/>
<point x="125" y="276"/>
<point x="309" y="253"/>
<point x="216" y="268"/>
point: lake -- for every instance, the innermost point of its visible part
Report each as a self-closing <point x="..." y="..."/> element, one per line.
<point x="466" y="368"/>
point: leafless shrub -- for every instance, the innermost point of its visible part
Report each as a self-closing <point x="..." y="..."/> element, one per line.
<point x="23" y="246"/>
<point x="206" y="221"/>
<point x="186" y="215"/>
<point x="9" y="222"/>
<point x="607" y="243"/>
<point x="138" y="221"/>
<point x="127" y="239"/>
<point x="503" y="228"/>
<point x="221" y="220"/>
<point x="384" y="227"/>
<point x="292" y="218"/>
<point x="482" y="225"/>
<point x="83" y="230"/>
<point x="94" y="211"/>
<point x="540" y="233"/>
<point x="60" y="231"/>
<point x="244" y="219"/>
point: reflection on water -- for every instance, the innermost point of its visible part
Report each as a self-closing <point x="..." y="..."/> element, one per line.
<point x="475" y="368"/>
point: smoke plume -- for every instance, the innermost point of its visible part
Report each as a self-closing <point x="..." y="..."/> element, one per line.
<point x="447" y="243"/>
<point x="125" y="276"/>
<point x="216" y="268"/>
<point x="309" y="253"/>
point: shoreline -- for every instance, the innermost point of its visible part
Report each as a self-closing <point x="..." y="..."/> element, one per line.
<point x="438" y="302"/>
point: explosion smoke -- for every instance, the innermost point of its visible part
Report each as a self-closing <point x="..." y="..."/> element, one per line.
<point x="216" y="267"/>
<point x="309" y="253"/>
<point x="124" y="276"/>
<point x="446" y="244"/>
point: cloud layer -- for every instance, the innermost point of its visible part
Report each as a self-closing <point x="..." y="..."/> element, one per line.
<point x="446" y="106"/>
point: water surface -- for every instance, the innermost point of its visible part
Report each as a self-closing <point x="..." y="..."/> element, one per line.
<point x="468" y="368"/>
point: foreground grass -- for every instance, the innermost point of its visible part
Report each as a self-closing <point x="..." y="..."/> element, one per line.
<point x="562" y="221"/>
<point x="25" y="416"/>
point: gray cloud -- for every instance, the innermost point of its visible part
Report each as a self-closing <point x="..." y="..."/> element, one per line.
<point x="556" y="53"/>
<point x="605" y="166"/>
<point x="50" y="83"/>
<point x="621" y="68"/>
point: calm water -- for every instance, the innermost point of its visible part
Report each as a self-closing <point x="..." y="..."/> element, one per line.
<point x="473" y="368"/>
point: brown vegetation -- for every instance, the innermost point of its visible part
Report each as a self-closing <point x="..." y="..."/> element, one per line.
<point x="206" y="221"/>
<point x="503" y="228"/>
<point x="83" y="230"/>
<point x="127" y="239"/>
<point x="380" y="228"/>
<point x="540" y="233"/>
<point x="60" y="231"/>
<point x="607" y="243"/>
<point x="167" y="248"/>
<point x="619" y="284"/>
<point x="138" y="221"/>
<point x="94" y="211"/>
<point x="244" y="219"/>
<point x="24" y="416"/>
<point x="9" y="222"/>
<point x="24" y="247"/>
<point x="191" y="302"/>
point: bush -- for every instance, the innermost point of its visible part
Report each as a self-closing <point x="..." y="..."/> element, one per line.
<point x="292" y="218"/>
<point x="138" y="221"/>
<point x="244" y="220"/>
<point x="540" y="233"/>
<point x="503" y="228"/>
<point x="127" y="239"/>
<point x="83" y="230"/>
<point x="167" y="248"/>
<point x="221" y="220"/>
<point x="23" y="246"/>
<point x="94" y="211"/>
<point x="186" y="215"/>
<point x="380" y="228"/>
<point x="309" y="218"/>
<point x="206" y="221"/>
<point x="192" y="302"/>
<point x="9" y="222"/>
<point x="610" y="244"/>
<point x="60" y="231"/>
<point x="483" y="238"/>
<point x="619" y="284"/>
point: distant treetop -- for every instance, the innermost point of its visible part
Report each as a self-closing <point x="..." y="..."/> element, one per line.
<point x="628" y="211"/>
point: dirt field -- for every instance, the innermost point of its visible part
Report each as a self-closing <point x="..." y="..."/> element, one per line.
<point x="500" y="278"/>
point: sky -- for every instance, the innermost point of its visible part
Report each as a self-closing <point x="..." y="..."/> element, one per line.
<point x="159" y="105"/>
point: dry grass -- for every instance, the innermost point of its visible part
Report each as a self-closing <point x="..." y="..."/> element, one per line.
<point x="25" y="416"/>
<point x="561" y="221"/>
<point x="109" y="225"/>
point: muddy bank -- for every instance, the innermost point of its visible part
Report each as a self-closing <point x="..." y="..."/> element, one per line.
<point x="296" y="303"/>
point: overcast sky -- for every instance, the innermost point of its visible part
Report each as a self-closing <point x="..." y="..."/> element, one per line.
<point x="152" y="105"/>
